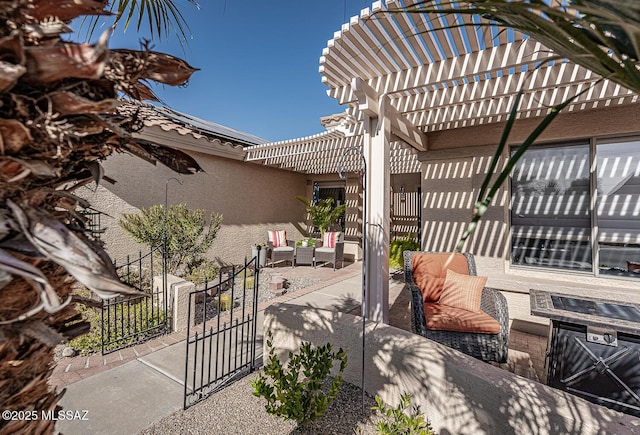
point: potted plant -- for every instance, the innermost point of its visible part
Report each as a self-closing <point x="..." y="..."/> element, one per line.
<point x="307" y="242"/>
<point x="323" y="213"/>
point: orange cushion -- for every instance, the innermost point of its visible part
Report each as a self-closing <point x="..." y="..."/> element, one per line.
<point x="444" y="318"/>
<point x="462" y="291"/>
<point x="429" y="272"/>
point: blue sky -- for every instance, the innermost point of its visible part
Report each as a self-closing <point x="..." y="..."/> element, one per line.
<point x="259" y="63"/>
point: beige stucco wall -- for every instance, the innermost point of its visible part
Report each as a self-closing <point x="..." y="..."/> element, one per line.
<point x="252" y="198"/>
<point x="457" y="393"/>
<point x="455" y="166"/>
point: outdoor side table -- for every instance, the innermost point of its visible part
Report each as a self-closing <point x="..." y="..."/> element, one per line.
<point x="304" y="255"/>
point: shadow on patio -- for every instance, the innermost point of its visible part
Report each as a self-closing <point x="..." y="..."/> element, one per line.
<point x="458" y="393"/>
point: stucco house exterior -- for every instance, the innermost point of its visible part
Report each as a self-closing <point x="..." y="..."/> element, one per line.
<point x="251" y="198"/>
<point x="436" y="91"/>
<point x="425" y="110"/>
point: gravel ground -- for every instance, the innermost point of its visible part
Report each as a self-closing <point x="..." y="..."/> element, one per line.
<point x="235" y="410"/>
<point x="264" y="294"/>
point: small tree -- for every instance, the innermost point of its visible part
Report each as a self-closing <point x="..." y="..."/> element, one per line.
<point x="187" y="234"/>
<point x="323" y="213"/>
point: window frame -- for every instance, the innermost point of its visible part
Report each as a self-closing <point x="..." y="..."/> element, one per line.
<point x="592" y="142"/>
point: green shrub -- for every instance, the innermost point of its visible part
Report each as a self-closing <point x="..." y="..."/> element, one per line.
<point x="397" y="247"/>
<point x="297" y="391"/>
<point x="323" y="213"/>
<point x="203" y="270"/>
<point x="143" y="312"/>
<point x="186" y="233"/>
<point x="90" y="342"/>
<point x="396" y="421"/>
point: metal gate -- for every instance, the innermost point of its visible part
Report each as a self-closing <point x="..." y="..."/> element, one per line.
<point x="406" y="217"/>
<point x="128" y="320"/>
<point x="221" y="334"/>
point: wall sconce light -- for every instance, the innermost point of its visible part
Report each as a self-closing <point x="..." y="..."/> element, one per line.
<point x="403" y="196"/>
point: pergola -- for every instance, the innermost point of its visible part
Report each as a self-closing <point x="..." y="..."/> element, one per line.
<point x="402" y="76"/>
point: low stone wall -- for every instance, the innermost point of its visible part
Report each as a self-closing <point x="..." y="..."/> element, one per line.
<point x="458" y="394"/>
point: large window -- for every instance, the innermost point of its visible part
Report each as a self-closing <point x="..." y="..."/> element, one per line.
<point x="618" y="207"/>
<point x="553" y="216"/>
<point x="551" y="223"/>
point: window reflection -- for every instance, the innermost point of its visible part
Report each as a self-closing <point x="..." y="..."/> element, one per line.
<point x="550" y="216"/>
<point x="618" y="207"/>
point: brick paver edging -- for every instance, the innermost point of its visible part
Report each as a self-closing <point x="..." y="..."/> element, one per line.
<point x="69" y="370"/>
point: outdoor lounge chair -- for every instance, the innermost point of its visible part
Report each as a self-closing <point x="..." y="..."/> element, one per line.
<point x="482" y="333"/>
<point x="279" y="248"/>
<point x="331" y="251"/>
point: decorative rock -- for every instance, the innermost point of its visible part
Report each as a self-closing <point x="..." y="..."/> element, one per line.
<point x="68" y="352"/>
<point x="279" y="292"/>
<point x="276" y="284"/>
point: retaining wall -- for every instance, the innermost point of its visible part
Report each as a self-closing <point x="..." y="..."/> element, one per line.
<point x="459" y="395"/>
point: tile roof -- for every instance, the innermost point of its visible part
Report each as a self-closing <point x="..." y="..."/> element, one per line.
<point x="187" y="125"/>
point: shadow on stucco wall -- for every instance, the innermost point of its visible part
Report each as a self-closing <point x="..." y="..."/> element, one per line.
<point x="460" y="395"/>
<point x="252" y="199"/>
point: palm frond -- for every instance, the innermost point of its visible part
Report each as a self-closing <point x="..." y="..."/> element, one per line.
<point x="162" y="17"/>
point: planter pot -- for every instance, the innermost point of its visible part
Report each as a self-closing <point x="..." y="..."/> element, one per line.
<point x="262" y="261"/>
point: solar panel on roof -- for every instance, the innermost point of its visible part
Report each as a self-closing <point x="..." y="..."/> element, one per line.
<point x="208" y="127"/>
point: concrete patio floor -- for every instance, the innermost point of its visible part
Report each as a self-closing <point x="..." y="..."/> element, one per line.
<point x="527" y="344"/>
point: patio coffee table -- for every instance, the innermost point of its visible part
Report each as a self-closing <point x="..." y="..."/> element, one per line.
<point x="304" y="255"/>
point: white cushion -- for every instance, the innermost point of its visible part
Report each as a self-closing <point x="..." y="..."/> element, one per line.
<point x="283" y="249"/>
<point x="325" y="249"/>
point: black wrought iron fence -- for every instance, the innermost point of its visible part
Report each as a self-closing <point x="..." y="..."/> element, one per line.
<point x="93" y="223"/>
<point x="221" y="343"/>
<point x="127" y="321"/>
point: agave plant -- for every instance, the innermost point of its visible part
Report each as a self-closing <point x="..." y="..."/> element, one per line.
<point x="59" y="118"/>
<point x="600" y="35"/>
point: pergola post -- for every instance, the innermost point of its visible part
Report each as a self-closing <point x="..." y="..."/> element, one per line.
<point x="376" y="151"/>
<point x="377" y="134"/>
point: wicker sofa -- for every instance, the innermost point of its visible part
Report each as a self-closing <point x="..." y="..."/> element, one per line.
<point x="487" y="347"/>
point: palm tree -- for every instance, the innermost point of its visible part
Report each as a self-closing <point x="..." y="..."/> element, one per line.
<point x="58" y="119"/>
<point x="600" y="35"/>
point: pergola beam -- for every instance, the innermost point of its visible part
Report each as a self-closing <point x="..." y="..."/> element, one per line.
<point x="370" y="104"/>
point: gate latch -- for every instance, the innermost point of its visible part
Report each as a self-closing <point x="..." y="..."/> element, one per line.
<point x="602" y="336"/>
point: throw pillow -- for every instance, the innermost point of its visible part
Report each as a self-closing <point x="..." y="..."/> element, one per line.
<point x="278" y="238"/>
<point x="429" y="272"/>
<point x="329" y="240"/>
<point x="462" y="291"/>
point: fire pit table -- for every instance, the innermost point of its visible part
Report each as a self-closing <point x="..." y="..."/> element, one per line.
<point x="594" y="348"/>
